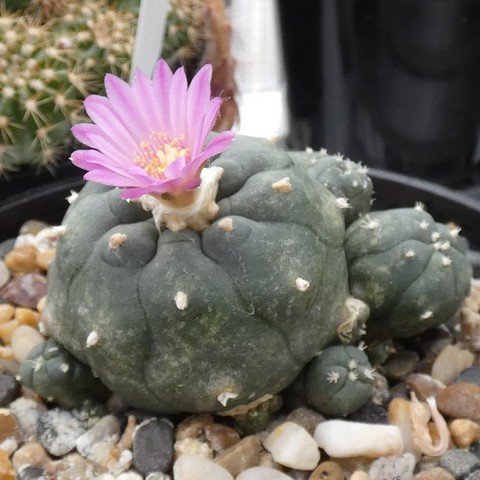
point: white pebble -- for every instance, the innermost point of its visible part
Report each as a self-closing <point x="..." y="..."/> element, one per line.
<point x="262" y="473"/>
<point x="343" y="439"/>
<point x="129" y="476"/>
<point x="102" y="436"/>
<point x="24" y="339"/>
<point x="292" y="446"/>
<point x="191" y="467"/>
<point x="4" y="274"/>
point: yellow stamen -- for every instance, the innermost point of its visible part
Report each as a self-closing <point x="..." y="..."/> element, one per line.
<point x="158" y="153"/>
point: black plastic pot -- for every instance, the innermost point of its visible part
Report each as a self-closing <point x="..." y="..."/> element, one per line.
<point x="48" y="203"/>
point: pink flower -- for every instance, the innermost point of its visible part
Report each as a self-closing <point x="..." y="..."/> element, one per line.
<point x="150" y="137"/>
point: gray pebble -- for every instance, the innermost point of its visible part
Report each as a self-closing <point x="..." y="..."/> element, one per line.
<point x="153" y="447"/>
<point x="103" y="434"/>
<point x="27" y="413"/>
<point x="10" y="389"/>
<point x="6" y="246"/>
<point x="158" y="476"/>
<point x="370" y="413"/>
<point x="58" y="430"/>
<point x="459" y="462"/>
<point x="474" y="475"/>
<point x="470" y="375"/>
<point x="388" y="468"/>
<point x="30" y="473"/>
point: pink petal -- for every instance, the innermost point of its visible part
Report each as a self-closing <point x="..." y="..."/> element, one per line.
<point x="197" y="101"/>
<point x="162" y="78"/>
<point x="123" y="104"/>
<point x="175" y="168"/>
<point x="178" y="103"/>
<point x="158" y="187"/>
<point x="146" y="101"/>
<point x="210" y="116"/>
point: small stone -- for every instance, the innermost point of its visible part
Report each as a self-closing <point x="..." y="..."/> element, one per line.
<point x="6" y="246"/>
<point x="45" y="257"/>
<point x="71" y="467"/>
<point x="9" y="445"/>
<point x="459" y="462"/>
<point x="424" y="386"/>
<point x="96" y="443"/>
<point x="7" y="472"/>
<point x="153" y="447"/>
<point x="327" y="471"/>
<point x="26" y="316"/>
<point x="192" y="467"/>
<point x="464" y="432"/>
<point x="292" y="446"/>
<point x="245" y="454"/>
<point x="370" y="413"/>
<point x="30" y="473"/>
<point x="30" y="454"/>
<point x="25" y="291"/>
<point x="194" y="446"/>
<point x="129" y="476"/>
<point x="221" y="437"/>
<point x="342" y="439"/>
<point x="193" y="426"/>
<point x="8" y="426"/>
<point x="450" y="363"/>
<point x="460" y="400"/>
<point x="27" y="413"/>
<point x="23" y="340"/>
<point x="400" y="365"/>
<point x="32" y="227"/>
<point x="261" y="473"/>
<point x="474" y="475"/>
<point x="7" y="312"/>
<point x="10" y="389"/>
<point x="58" y="431"/>
<point x="359" y="475"/>
<point x="400" y="414"/>
<point x="22" y="260"/>
<point x="6" y="331"/>
<point x="306" y="418"/>
<point x="158" y="476"/>
<point x="470" y="375"/>
<point x="434" y="474"/>
<point x="4" y="274"/>
<point x="399" y="468"/>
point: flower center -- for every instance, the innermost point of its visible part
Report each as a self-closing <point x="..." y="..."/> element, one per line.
<point x="158" y="153"/>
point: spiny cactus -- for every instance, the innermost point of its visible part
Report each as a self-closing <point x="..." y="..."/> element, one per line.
<point x="347" y="180"/>
<point x="45" y="71"/>
<point x="412" y="272"/>
<point x="339" y="380"/>
<point x="58" y="376"/>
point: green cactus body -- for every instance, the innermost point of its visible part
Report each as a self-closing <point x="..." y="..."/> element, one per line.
<point x="58" y="376"/>
<point x="203" y="322"/>
<point x="257" y="419"/>
<point x="347" y="180"/>
<point x="339" y="380"/>
<point x="47" y="68"/>
<point x="411" y="271"/>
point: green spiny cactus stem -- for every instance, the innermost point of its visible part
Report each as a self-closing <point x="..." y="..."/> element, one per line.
<point x="58" y="376"/>
<point x="412" y="272"/>
<point x="46" y="69"/>
<point x="339" y="380"/>
<point x="347" y="180"/>
<point x="210" y="321"/>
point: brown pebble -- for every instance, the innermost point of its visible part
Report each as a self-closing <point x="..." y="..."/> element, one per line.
<point x="424" y="386"/>
<point x="451" y="361"/>
<point x="240" y="457"/>
<point x="464" y="432"/>
<point x="7" y="472"/>
<point x="460" y="400"/>
<point x="6" y="353"/>
<point x="6" y="331"/>
<point x="22" y="260"/>
<point x="30" y="454"/>
<point x="434" y="474"/>
<point x="26" y="316"/>
<point x="32" y="227"/>
<point x="6" y="312"/>
<point x="8" y="426"/>
<point x="44" y="258"/>
<point x="221" y="437"/>
<point x="25" y="291"/>
<point x="358" y="475"/>
<point x="193" y="426"/>
<point x="327" y="471"/>
<point x="400" y="365"/>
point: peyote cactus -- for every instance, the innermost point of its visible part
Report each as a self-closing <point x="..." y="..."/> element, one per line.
<point x="347" y="180"/>
<point x="212" y="320"/>
<point x="339" y="380"/>
<point x="57" y="376"/>
<point x="411" y="271"/>
<point x="47" y="68"/>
